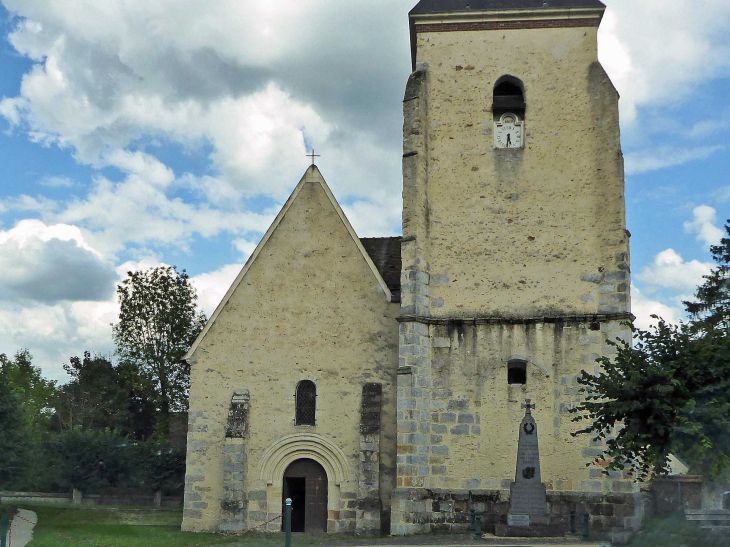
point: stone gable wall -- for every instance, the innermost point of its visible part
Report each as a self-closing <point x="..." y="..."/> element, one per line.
<point x="308" y="308"/>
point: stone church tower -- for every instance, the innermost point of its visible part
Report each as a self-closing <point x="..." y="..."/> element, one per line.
<point x="515" y="253"/>
<point x="379" y="382"/>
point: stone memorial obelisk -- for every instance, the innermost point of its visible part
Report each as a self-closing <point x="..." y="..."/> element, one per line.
<point x="528" y="511"/>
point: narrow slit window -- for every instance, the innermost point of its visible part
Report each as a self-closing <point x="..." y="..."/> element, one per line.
<point x="517" y="372"/>
<point x="306" y="402"/>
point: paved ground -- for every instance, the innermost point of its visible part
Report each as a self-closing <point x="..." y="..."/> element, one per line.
<point x="21" y="528"/>
<point x="462" y="540"/>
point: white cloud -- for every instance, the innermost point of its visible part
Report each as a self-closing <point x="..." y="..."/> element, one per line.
<point x="643" y="308"/>
<point x="703" y="225"/>
<point x="53" y="333"/>
<point x="213" y="286"/>
<point x="27" y="203"/>
<point x="722" y="194"/>
<point x="50" y="264"/>
<point x="138" y="164"/>
<point x="709" y="128"/>
<point x="245" y="247"/>
<point x="237" y="80"/>
<point x="377" y="218"/>
<point x="57" y="182"/>
<point x="666" y="156"/>
<point x="658" y="51"/>
<point x="141" y="209"/>
<point x="669" y="270"/>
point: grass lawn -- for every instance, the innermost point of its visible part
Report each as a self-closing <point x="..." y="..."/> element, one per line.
<point x="66" y="526"/>
<point x="89" y="526"/>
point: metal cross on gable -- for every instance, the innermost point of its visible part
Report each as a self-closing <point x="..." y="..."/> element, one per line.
<point x="528" y="406"/>
<point x="313" y="155"/>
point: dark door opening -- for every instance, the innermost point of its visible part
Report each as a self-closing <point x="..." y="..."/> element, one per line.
<point x="295" y="488"/>
<point x="305" y="482"/>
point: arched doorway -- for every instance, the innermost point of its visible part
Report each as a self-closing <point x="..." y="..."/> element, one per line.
<point x="305" y="482"/>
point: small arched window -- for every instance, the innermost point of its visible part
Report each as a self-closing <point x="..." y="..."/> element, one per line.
<point x="306" y="403"/>
<point x="509" y="96"/>
<point x="517" y="372"/>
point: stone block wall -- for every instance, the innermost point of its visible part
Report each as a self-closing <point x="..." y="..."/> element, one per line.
<point x="458" y="417"/>
<point x="234" y="505"/>
<point x="368" y="516"/>
<point x="611" y="516"/>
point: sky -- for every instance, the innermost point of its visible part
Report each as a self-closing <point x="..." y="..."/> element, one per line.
<point x="135" y="133"/>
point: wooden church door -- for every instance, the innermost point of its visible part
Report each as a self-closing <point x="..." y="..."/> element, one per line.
<point x="305" y="482"/>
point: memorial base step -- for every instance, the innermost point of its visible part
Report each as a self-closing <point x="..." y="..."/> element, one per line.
<point x="532" y="531"/>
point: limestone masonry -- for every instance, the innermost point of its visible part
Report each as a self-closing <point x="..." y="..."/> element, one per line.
<point x="514" y="275"/>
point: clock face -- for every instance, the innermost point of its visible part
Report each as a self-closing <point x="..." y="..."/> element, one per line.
<point x="508" y="132"/>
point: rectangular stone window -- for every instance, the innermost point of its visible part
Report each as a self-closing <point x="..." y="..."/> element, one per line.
<point x="517" y="372"/>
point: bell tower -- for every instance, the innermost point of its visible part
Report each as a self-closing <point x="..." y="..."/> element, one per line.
<point x="515" y="251"/>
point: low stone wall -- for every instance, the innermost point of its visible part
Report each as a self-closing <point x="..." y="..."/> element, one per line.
<point x="33" y="497"/>
<point x="612" y="516"/>
<point x="89" y="499"/>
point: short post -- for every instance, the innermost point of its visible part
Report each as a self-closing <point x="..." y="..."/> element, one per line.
<point x="287" y="523"/>
<point x="472" y="522"/>
<point x="573" y="527"/>
<point x="4" y="525"/>
<point x="586" y="526"/>
<point x="478" y="524"/>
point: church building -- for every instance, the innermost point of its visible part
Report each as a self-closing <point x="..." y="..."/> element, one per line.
<point x="380" y="383"/>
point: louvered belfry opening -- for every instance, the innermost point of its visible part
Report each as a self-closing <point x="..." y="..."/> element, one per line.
<point x="509" y="96"/>
<point x="306" y="403"/>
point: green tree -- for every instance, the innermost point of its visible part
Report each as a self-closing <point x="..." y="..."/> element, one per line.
<point x="95" y="397"/>
<point x="711" y="309"/>
<point x="37" y="395"/>
<point x="90" y="461"/>
<point x="669" y="391"/>
<point x="13" y="433"/>
<point x="158" y="322"/>
<point x="34" y="399"/>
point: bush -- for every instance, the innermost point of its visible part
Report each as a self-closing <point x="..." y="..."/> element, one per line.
<point x="103" y="461"/>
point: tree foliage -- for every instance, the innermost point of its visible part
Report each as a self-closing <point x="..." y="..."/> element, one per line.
<point x="669" y="391"/>
<point x="13" y="429"/>
<point x="28" y="405"/>
<point x="87" y="460"/>
<point x="100" y="461"/>
<point x="158" y="323"/>
<point x="102" y="396"/>
<point x="37" y="395"/>
<point x="711" y="309"/>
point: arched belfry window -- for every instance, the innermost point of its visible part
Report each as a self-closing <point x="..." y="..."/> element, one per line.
<point x="509" y="96"/>
<point x="306" y="403"/>
<point x="508" y="108"/>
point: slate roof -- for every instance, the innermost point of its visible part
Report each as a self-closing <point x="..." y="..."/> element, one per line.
<point x="385" y="254"/>
<point x="448" y="6"/>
